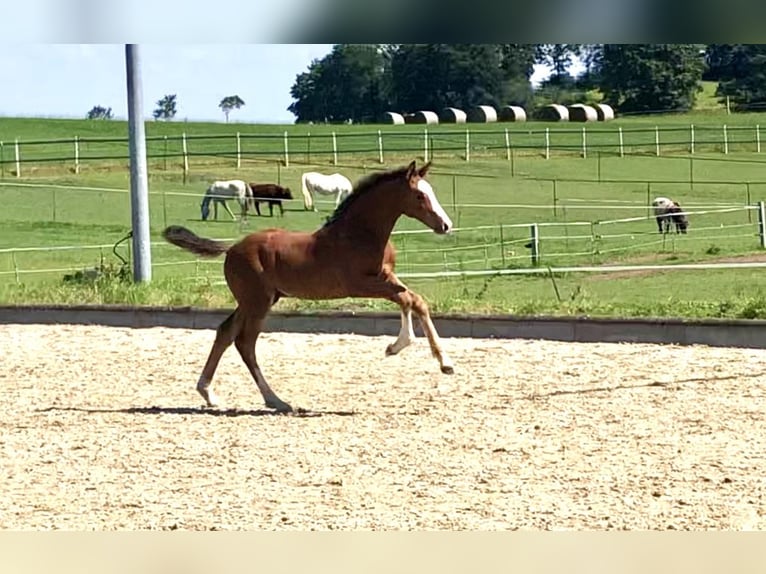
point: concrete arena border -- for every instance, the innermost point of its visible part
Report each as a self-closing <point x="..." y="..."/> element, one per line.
<point x="712" y="332"/>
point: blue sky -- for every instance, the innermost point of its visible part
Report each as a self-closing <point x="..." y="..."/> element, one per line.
<point x="67" y="80"/>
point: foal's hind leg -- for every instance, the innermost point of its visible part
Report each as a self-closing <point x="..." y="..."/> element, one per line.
<point x="225" y="335"/>
<point x="245" y="343"/>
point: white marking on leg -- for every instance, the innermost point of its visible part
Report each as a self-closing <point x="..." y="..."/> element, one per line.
<point x="203" y="387"/>
<point x="406" y="334"/>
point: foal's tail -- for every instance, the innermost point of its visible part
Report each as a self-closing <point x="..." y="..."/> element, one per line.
<point x="186" y="239"/>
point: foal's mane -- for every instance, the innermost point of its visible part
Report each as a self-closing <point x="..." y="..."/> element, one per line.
<point x="362" y="187"/>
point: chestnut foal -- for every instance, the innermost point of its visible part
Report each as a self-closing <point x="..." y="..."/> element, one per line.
<point x="350" y="256"/>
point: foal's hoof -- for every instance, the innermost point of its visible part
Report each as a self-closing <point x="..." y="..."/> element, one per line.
<point x="280" y="406"/>
<point x="448" y="369"/>
<point x="390" y="350"/>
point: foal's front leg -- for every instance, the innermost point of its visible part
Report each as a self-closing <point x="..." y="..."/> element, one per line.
<point x="406" y="334"/>
<point x="410" y="301"/>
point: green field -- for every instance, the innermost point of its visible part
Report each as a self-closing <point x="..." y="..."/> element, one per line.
<point x="51" y="213"/>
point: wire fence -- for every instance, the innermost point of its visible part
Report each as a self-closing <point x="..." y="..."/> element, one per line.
<point x="184" y="151"/>
<point x="502" y="248"/>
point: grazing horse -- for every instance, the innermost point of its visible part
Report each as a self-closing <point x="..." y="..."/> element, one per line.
<point x="349" y="256"/>
<point x="272" y="194"/>
<point x="313" y="183"/>
<point x="668" y="214"/>
<point x="221" y="192"/>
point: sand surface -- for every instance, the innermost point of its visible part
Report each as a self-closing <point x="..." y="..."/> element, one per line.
<point x="102" y="429"/>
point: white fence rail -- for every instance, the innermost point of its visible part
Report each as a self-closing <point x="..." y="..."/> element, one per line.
<point x="78" y="151"/>
<point x="482" y="250"/>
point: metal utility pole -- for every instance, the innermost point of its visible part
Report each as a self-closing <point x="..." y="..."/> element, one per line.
<point x="139" y="189"/>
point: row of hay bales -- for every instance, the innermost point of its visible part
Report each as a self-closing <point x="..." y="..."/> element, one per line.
<point x="576" y="113"/>
<point x="488" y="114"/>
<point x="479" y="114"/>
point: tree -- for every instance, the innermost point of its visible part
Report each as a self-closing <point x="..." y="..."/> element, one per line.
<point x="350" y="83"/>
<point x="230" y="103"/>
<point x="559" y="58"/>
<point x="743" y="79"/>
<point x="100" y="113"/>
<point x="166" y="108"/>
<point x="651" y="77"/>
<point x="435" y="76"/>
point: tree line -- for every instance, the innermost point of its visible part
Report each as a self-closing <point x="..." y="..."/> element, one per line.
<point x="359" y="82"/>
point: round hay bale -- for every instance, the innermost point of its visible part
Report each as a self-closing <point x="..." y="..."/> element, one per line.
<point x="393" y="118"/>
<point x="605" y="112"/>
<point x="554" y="113"/>
<point x="422" y="117"/>
<point x="482" y="114"/>
<point x="453" y="116"/>
<point x="512" y="114"/>
<point x="582" y="113"/>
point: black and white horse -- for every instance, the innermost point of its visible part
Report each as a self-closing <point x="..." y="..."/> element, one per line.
<point x="669" y="214"/>
<point x="219" y="192"/>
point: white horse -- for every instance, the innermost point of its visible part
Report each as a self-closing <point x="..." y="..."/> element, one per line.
<point x="313" y="183"/>
<point x="221" y="192"/>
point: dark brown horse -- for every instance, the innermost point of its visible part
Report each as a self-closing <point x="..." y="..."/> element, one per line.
<point x="272" y="194"/>
<point x="350" y="256"/>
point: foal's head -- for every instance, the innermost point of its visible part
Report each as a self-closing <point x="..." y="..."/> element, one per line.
<point x="421" y="203"/>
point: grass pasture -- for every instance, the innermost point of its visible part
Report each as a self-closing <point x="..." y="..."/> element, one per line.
<point x="589" y="211"/>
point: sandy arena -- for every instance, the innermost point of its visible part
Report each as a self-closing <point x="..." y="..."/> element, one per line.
<point x="102" y="429"/>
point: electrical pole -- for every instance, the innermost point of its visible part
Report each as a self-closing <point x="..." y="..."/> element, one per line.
<point x="139" y="190"/>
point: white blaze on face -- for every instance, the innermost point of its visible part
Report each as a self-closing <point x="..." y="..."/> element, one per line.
<point x="426" y="188"/>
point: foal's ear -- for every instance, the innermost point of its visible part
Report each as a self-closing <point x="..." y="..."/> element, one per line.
<point x="411" y="169"/>
<point x="424" y="169"/>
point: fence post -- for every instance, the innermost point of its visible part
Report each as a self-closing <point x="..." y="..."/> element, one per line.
<point x="691" y="173"/>
<point x="555" y="197"/>
<point x="164" y="209"/>
<point x="757" y="138"/>
<point x="657" y="140"/>
<point x="502" y="245"/>
<point x="287" y="152"/>
<point x="467" y="145"/>
<point x="691" y="144"/>
<point x="380" y="147"/>
<point x="186" y="154"/>
<point x="648" y="198"/>
<point x="76" y="154"/>
<point x="18" y="159"/>
<point x="239" y="152"/>
<point x="425" y="144"/>
<point x="2" y="160"/>
<point x="547" y="143"/>
<point x="334" y="149"/>
<point x="762" y="223"/>
<point x="584" y="145"/>
<point x="619" y="130"/>
<point x="534" y="244"/>
<point x="507" y="145"/>
<point x="15" y="266"/>
<point x="725" y="140"/>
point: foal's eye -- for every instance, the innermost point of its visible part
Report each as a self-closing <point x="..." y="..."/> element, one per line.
<point x="421" y="197"/>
